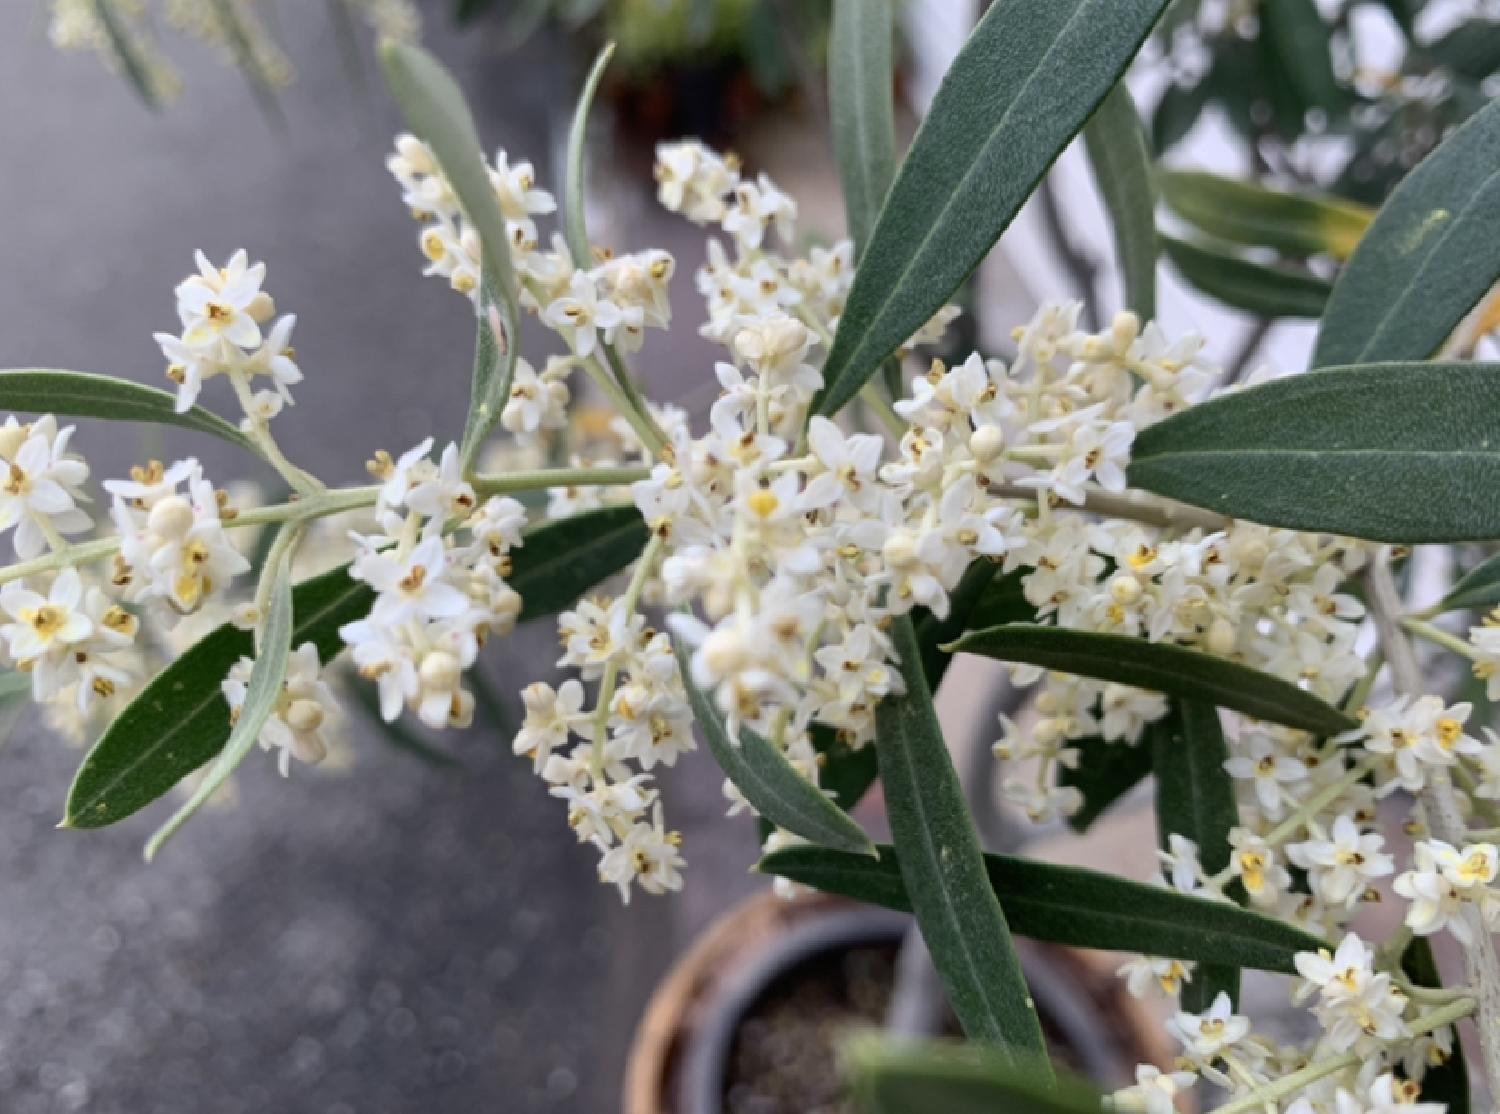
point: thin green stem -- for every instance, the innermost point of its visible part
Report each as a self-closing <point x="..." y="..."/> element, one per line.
<point x="314" y="506"/>
<point x="1318" y="802"/>
<point x="642" y="423"/>
<point x="893" y="422"/>
<point x="630" y="602"/>
<point x="546" y="478"/>
<point x="327" y="503"/>
<point x="1110" y="505"/>
<point x="633" y="396"/>
<point x="1438" y="637"/>
<point x="259" y="432"/>
<point x="1359" y="695"/>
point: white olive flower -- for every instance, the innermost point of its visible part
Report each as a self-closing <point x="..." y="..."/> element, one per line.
<point x="302" y="714"/>
<point x="39" y="493"/>
<point x="647" y="856"/>
<point x="222" y="304"/>
<point x="580" y="314"/>
<point x="1342" y="866"/>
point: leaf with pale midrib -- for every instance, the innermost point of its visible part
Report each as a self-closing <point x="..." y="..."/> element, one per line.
<point x="80" y="394"/>
<point x="766" y="779"/>
<point x="943" y="870"/>
<point x="1161" y="667"/>
<point x="1073" y="906"/>
<point x="1025" y="82"/>
<point x="1121" y="161"/>
<point x="860" y="81"/>
<point x="1401" y="453"/>
<point x="1431" y="255"/>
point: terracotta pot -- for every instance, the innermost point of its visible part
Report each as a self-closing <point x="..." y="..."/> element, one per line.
<point x="680" y="1060"/>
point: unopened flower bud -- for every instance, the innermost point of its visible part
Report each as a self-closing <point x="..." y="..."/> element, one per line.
<point x="414" y="151"/>
<point x="900" y="549"/>
<point x="1124" y="330"/>
<point x="723" y="653"/>
<point x="172" y="517"/>
<point x="987" y="443"/>
<point x="1221" y="637"/>
<point x="440" y="670"/>
<point x="262" y="308"/>
<point x="304" y="715"/>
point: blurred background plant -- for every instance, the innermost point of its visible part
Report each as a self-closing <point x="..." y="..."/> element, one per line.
<point x="1330" y="105"/>
<point x="126" y="34"/>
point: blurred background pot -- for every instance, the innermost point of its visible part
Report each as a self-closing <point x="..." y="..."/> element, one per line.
<point x="750" y="1020"/>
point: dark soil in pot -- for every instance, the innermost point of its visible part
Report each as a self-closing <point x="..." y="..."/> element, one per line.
<point x="759" y="1015"/>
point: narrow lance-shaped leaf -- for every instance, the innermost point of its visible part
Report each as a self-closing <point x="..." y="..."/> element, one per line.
<point x="181" y="720"/>
<point x="1195" y="799"/>
<point x="860" y="96"/>
<point x="248" y="55"/>
<point x="574" y="225"/>
<point x="1161" y="667"/>
<point x="261" y="696"/>
<point x="1477" y="590"/>
<point x="761" y="772"/>
<point x="1252" y="287"/>
<point x="490" y="381"/>
<point x="1252" y="215"/>
<point x="1303" y="44"/>
<point x="943" y="869"/>
<point x="906" y="1078"/>
<point x="1431" y="255"/>
<point x="1390" y="452"/>
<point x="125" y="47"/>
<point x="1029" y="76"/>
<point x="1121" y="161"/>
<point x="15" y="698"/>
<point x="434" y="109"/>
<point x="80" y="394"/>
<point x="1073" y="906"/>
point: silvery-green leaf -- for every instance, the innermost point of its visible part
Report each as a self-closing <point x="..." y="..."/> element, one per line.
<point x="1121" y="161"/>
<point x="261" y="696"/>
<point x="1253" y="287"/>
<point x="79" y="394"/>
<point x="1431" y="255"/>
<point x="434" y="109"/>
<point x="891" y="1077"/>
<point x="1195" y="799"/>
<point x="764" y="776"/>
<point x="1252" y="215"/>
<point x="1072" y="906"/>
<point x="860" y="96"/>
<point x="1403" y="453"/>
<point x="1477" y="590"/>
<point x="942" y="868"/>
<point x="123" y="45"/>
<point x="1160" y="667"/>
<point x="1028" y="78"/>
<point x="574" y="184"/>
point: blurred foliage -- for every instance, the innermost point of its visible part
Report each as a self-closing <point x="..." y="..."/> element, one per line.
<point x="657" y="35"/>
<point x="1287" y="77"/>
<point x="1327" y="130"/>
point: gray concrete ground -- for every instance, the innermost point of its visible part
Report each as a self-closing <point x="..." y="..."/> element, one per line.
<point x="394" y="938"/>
